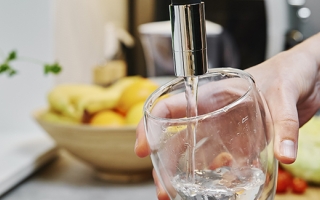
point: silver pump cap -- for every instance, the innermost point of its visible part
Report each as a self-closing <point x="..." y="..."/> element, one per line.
<point x="189" y="41"/>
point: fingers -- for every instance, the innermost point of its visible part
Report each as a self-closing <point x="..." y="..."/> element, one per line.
<point x="141" y="148"/>
<point x="162" y="195"/>
<point x="286" y="128"/>
<point x="282" y="102"/>
<point x="281" y="93"/>
<point x="223" y="159"/>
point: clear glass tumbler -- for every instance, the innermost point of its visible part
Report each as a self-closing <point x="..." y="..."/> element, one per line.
<point x="222" y="150"/>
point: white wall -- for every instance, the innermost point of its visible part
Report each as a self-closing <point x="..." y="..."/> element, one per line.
<point x="79" y="34"/>
<point x="71" y="31"/>
<point x="26" y="26"/>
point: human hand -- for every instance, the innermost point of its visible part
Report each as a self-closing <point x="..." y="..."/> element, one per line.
<point x="238" y="132"/>
<point x="290" y="84"/>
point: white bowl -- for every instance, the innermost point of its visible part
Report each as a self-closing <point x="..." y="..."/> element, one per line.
<point x="110" y="151"/>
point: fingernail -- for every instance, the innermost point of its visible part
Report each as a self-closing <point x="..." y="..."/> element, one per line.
<point x="136" y="144"/>
<point x="158" y="192"/>
<point x="287" y="149"/>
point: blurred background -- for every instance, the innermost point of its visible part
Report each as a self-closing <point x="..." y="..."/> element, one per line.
<point x="83" y="35"/>
<point x="75" y="34"/>
<point x="28" y="28"/>
<point x="253" y="30"/>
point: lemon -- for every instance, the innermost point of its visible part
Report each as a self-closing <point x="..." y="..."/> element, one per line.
<point x="176" y="129"/>
<point x="107" y="118"/>
<point x="135" y="114"/>
<point x="137" y="92"/>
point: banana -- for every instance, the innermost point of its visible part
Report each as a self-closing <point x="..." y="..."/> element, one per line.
<point x="109" y="98"/>
<point x="51" y="116"/>
<point x="71" y="100"/>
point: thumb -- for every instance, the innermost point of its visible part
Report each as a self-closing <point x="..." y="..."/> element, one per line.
<point x="284" y="113"/>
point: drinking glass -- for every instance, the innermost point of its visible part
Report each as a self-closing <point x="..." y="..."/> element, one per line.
<point x="222" y="148"/>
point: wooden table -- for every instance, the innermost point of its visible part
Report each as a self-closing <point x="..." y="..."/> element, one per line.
<point x="312" y="193"/>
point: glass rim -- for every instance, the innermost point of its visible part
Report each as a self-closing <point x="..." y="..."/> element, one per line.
<point x="161" y="90"/>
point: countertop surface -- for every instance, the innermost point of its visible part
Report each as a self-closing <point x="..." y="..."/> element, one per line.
<point x="312" y="193"/>
<point x="67" y="178"/>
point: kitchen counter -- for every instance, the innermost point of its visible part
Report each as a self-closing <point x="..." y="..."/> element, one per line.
<point x="312" y="193"/>
<point x="67" y="178"/>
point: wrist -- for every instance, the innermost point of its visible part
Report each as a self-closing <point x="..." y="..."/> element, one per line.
<point x="312" y="48"/>
<point x="309" y="50"/>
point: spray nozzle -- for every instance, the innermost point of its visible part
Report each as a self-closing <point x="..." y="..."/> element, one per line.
<point x="188" y="37"/>
<point x="185" y="2"/>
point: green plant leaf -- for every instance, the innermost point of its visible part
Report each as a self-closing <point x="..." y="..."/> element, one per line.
<point x="54" y="68"/>
<point x="12" y="72"/>
<point x="4" y="67"/>
<point x="12" y="56"/>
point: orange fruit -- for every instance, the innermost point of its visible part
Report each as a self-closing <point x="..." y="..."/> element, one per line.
<point x="135" y="114"/>
<point x="107" y="118"/>
<point x="137" y="92"/>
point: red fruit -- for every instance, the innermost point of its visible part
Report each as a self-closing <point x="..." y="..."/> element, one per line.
<point x="299" y="185"/>
<point x="283" y="181"/>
